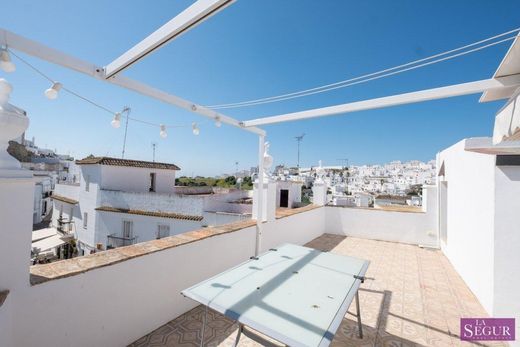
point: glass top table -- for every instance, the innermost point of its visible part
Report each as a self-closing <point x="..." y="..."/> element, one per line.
<point x="293" y="294"/>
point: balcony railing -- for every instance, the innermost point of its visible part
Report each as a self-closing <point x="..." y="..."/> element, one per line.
<point x="65" y="226"/>
<point x="115" y="241"/>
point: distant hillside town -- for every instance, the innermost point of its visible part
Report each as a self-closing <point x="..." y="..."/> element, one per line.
<point x="394" y="183"/>
<point x="96" y="203"/>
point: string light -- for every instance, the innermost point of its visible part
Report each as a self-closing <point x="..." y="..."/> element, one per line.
<point x="163" y="132"/>
<point x="195" y="128"/>
<point x="5" y="61"/>
<point x="116" y="122"/>
<point x="52" y="92"/>
<point x="218" y="122"/>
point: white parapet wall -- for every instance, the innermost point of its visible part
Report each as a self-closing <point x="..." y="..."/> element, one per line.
<point x="185" y="204"/>
<point x="115" y="305"/>
<point x="70" y="191"/>
<point x="418" y="228"/>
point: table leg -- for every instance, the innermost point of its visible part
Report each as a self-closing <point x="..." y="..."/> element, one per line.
<point x="358" y="311"/>
<point x="204" y="318"/>
<point x="240" y="328"/>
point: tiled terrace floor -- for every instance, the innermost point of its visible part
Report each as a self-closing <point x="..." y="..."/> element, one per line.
<point x="412" y="297"/>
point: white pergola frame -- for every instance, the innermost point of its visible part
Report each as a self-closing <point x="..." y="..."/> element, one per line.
<point x="189" y="18"/>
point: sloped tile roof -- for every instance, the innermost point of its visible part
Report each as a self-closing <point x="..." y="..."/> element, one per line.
<point x="126" y="162"/>
<point x="151" y="213"/>
<point x="64" y="199"/>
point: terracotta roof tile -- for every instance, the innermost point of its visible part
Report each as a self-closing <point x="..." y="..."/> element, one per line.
<point x="126" y="162"/>
<point x="64" y="199"/>
<point x="151" y="213"/>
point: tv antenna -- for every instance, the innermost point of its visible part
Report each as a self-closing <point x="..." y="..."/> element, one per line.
<point x="345" y="161"/>
<point x="299" y="139"/>
<point x="154" y="145"/>
<point x="127" y="110"/>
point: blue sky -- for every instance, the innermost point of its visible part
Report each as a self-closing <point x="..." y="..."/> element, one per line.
<point x="255" y="49"/>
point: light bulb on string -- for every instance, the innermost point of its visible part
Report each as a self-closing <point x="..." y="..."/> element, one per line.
<point x="195" y="128"/>
<point x="5" y="61"/>
<point x="52" y="92"/>
<point x="163" y="132"/>
<point x="116" y="122"/>
<point x="218" y="122"/>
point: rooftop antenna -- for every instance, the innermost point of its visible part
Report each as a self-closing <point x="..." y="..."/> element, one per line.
<point x="299" y="139"/>
<point x="345" y="161"/>
<point x="153" y="148"/>
<point x="127" y="110"/>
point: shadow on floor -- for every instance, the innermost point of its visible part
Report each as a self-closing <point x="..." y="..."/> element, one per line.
<point x="326" y="242"/>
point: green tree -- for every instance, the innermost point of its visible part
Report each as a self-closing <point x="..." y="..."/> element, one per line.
<point x="19" y="152"/>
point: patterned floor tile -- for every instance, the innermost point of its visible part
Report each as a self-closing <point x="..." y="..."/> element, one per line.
<point x="412" y="297"/>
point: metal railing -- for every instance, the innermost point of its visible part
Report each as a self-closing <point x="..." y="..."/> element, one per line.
<point x="115" y="241"/>
<point x="65" y="226"/>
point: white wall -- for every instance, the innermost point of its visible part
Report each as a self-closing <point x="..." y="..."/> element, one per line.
<point x="117" y="304"/>
<point x="507" y="244"/>
<point x="470" y="218"/>
<point x="220" y="218"/>
<point x="37" y="204"/>
<point x="88" y="203"/>
<point x="144" y="227"/>
<point x="295" y="192"/>
<point x="298" y="229"/>
<point x="268" y="201"/>
<point x="185" y="204"/>
<point x="407" y="227"/>
<point x="135" y="179"/>
<point x="507" y="120"/>
<point x="67" y="190"/>
<point x="16" y="209"/>
<point x="72" y="192"/>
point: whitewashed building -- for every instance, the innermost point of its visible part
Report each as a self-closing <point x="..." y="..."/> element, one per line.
<point x="43" y="185"/>
<point x="119" y="202"/>
<point x="288" y="193"/>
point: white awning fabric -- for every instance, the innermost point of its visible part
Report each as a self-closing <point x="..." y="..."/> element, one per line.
<point x="48" y="243"/>
<point x="43" y="234"/>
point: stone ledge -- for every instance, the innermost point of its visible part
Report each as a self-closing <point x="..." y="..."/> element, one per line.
<point x="65" y="268"/>
<point x="3" y="296"/>
<point x="408" y="209"/>
<point x="287" y="212"/>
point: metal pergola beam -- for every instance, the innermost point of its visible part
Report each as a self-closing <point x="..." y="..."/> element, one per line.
<point x="184" y="21"/>
<point x="35" y="49"/>
<point x="393" y="100"/>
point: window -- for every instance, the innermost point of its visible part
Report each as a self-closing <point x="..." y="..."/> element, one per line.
<point x="152" y="182"/>
<point x="87" y="183"/>
<point x="128" y="227"/>
<point x="85" y="220"/>
<point x="163" y="230"/>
